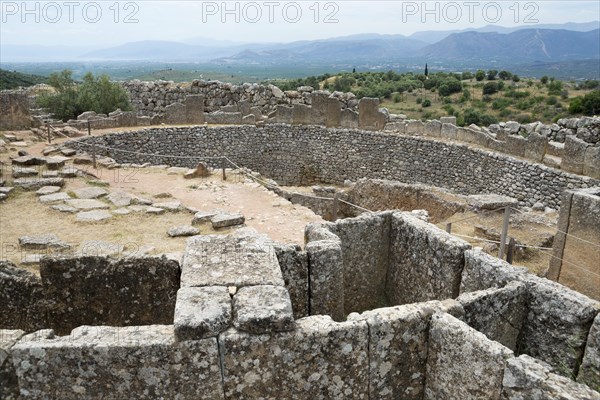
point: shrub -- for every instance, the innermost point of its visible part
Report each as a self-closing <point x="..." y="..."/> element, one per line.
<point x="70" y="99"/>
<point x="588" y="104"/>
<point x="490" y="88"/>
<point x="419" y="100"/>
<point x="449" y="87"/>
<point x="426" y="103"/>
<point x="505" y="75"/>
<point x="479" y="75"/>
<point x="555" y="87"/>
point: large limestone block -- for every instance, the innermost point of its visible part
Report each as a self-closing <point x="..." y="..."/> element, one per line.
<point x="294" y="269"/>
<point x="556" y="326"/>
<point x="425" y="262"/>
<point x="21" y="298"/>
<point x="263" y="309"/>
<point x="497" y="313"/>
<point x="326" y="278"/>
<point x="141" y="362"/>
<point x="9" y="385"/>
<point x="463" y="363"/>
<point x="398" y="347"/>
<point x="527" y="378"/>
<point x="240" y="259"/>
<point x="321" y="359"/>
<point x="589" y="371"/>
<point x="202" y="312"/>
<point x="102" y="291"/>
<point x="483" y="271"/>
<point x="366" y="264"/>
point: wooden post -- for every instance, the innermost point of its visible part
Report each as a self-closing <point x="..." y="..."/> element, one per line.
<point x="504" y="233"/>
<point x="511" y="250"/>
<point x="224" y="176"/>
<point x="335" y="207"/>
<point x="89" y="128"/>
<point x="49" y="136"/>
<point x="334" y="210"/>
<point x="449" y="228"/>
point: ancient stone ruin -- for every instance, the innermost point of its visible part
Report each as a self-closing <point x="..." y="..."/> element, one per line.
<point x="373" y="305"/>
<point x="382" y="305"/>
<point x="379" y="306"/>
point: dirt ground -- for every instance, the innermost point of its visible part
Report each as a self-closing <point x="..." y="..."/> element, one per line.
<point x="531" y="229"/>
<point x="23" y="215"/>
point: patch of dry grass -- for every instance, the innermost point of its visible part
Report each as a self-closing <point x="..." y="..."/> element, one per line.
<point x="23" y="215"/>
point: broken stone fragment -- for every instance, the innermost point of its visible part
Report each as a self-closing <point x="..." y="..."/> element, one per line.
<point x="227" y="220"/>
<point x="184" y="230"/>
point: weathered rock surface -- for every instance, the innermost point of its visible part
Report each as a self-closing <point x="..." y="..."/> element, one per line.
<point x="202" y="312"/>
<point x="556" y="325"/>
<point x="241" y="259"/>
<point x="54" y="197"/>
<point x="65" y="208"/>
<point x="22" y="299"/>
<point x="203" y="216"/>
<point x="22" y="172"/>
<point x="425" y="262"/>
<point x="183" y="230"/>
<point x="40" y="242"/>
<point x="9" y="384"/>
<point x="87" y="204"/>
<point x="263" y="309"/>
<point x="589" y="370"/>
<point x="491" y="201"/>
<point x="326" y="277"/>
<point x="103" y="291"/>
<point x="100" y="248"/>
<point x="497" y="313"/>
<point x="120" y="199"/>
<point x="90" y="192"/>
<point x="398" y="347"/>
<point x="527" y="378"/>
<point x="29" y="160"/>
<point x="138" y="360"/>
<point x="477" y="363"/>
<point x="93" y="216"/>
<point x="168" y="205"/>
<point x="294" y="269"/>
<point x="224" y="220"/>
<point x="276" y="364"/>
<point x="37" y="183"/>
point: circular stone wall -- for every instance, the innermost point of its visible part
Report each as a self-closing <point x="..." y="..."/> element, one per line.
<point x="304" y="155"/>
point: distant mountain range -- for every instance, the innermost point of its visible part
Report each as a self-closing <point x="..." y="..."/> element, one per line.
<point x="540" y="43"/>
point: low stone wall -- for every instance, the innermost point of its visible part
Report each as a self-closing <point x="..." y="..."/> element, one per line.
<point x="154" y="97"/>
<point x="233" y="329"/>
<point x="89" y="291"/>
<point x="577" y="149"/>
<point x="300" y="155"/>
<point x="576" y="253"/>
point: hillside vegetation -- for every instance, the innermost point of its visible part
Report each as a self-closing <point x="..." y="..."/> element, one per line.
<point x="481" y="97"/>
<point x="14" y="79"/>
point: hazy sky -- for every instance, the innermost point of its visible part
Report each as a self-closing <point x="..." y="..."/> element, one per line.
<point x="101" y="23"/>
